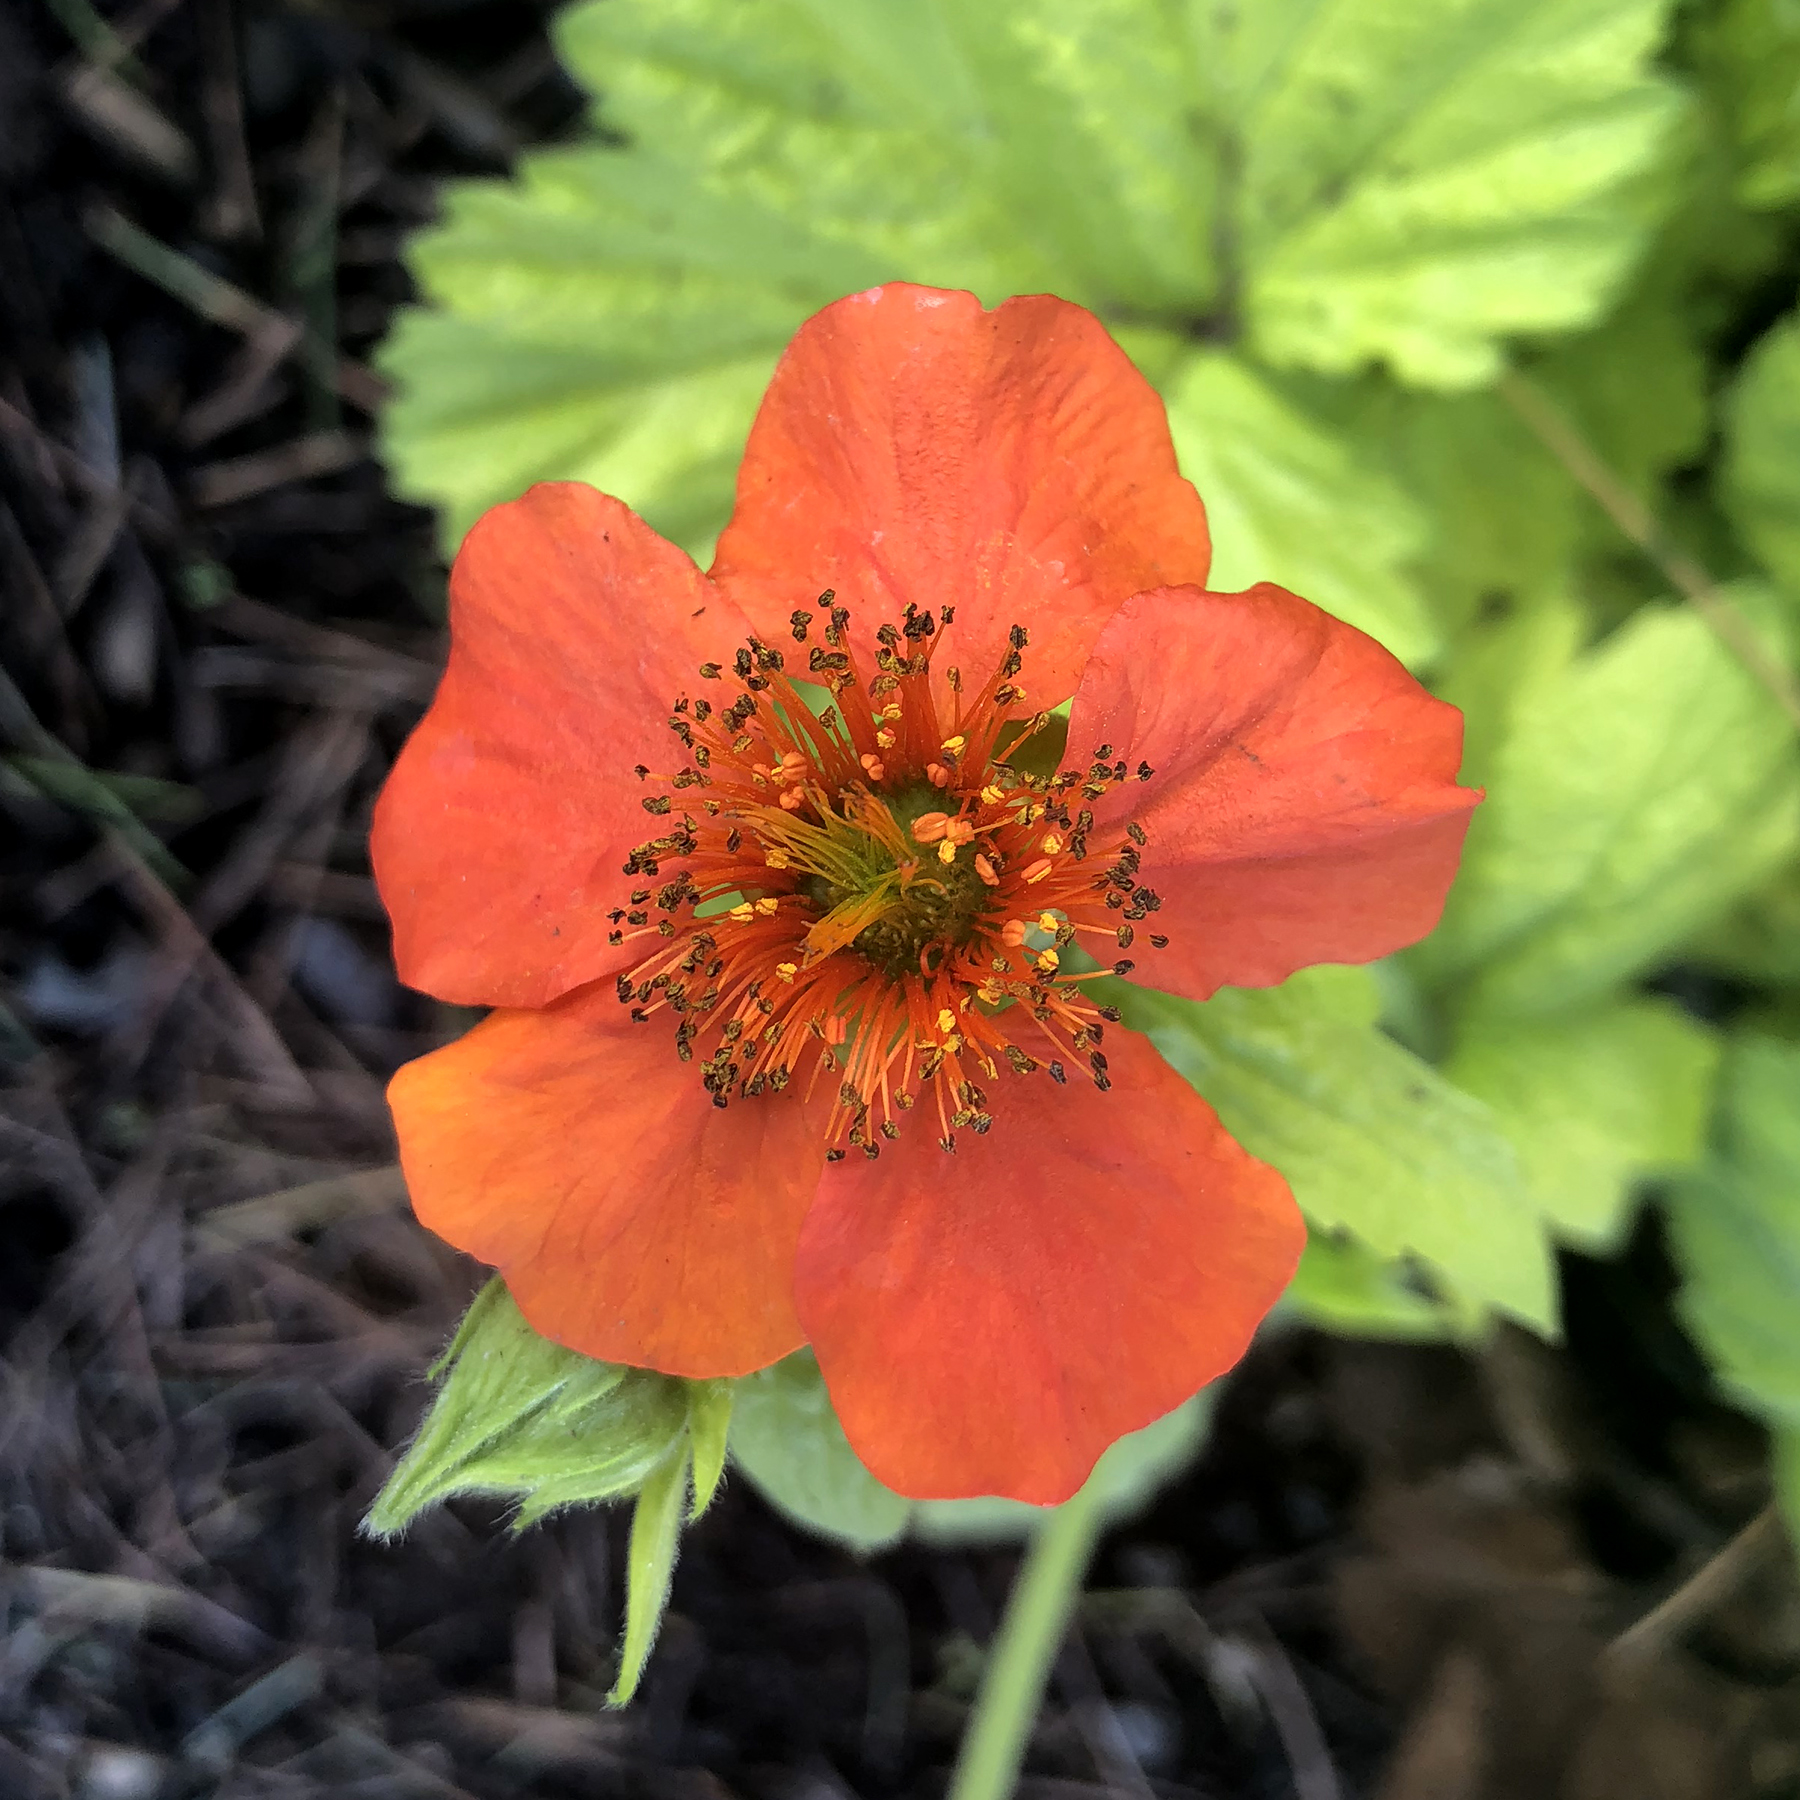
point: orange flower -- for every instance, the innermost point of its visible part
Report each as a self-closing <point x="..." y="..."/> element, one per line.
<point x="788" y="1045"/>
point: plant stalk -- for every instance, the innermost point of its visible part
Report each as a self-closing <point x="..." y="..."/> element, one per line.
<point x="1030" y="1634"/>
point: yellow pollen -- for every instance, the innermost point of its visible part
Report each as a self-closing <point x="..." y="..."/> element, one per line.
<point x="991" y="795"/>
<point x="885" y="739"/>
<point x="1038" y="870"/>
<point x="1046" y="921"/>
<point x="787" y="971"/>
<point x="1048" y="961"/>
<point x="947" y="851"/>
<point x="1052" y="843"/>
<point x="743" y="912"/>
<point x="892" y="711"/>
<point x="955" y="744"/>
<point x="946" y="1019"/>
<point x="777" y="859"/>
<point x="767" y="905"/>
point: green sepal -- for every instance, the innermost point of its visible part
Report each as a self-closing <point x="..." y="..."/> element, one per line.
<point x="656" y="1523"/>
<point x="709" y="1426"/>
<point x="521" y="1417"/>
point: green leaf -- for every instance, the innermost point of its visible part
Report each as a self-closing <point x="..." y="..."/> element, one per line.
<point x="1371" y="181"/>
<point x="1638" y="794"/>
<point x="1289" y="501"/>
<point x="656" y="1521"/>
<point x="1735" y="1230"/>
<point x="1759" y="940"/>
<point x="1343" y="1286"/>
<point x="786" y="1439"/>
<point x="1749" y="52"/>
<point x="1419" y="181"/>
<point x="1128" y="1477"/>
<point x="521" y="1417"/>
<point x="1372" y="1140"/>
<point x="1593" y="1102"/>
<point x="1787" y="1479"/>
<point x="1760" y="481"/>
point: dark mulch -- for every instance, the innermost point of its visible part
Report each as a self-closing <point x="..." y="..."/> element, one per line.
<point x="1394" y="1574"/>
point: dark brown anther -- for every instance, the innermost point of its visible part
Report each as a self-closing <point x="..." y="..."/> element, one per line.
<point x="834" y="1156"/>
<point x="1018" y="637"/>
<point x="741" y="665"/>
<point x="637" y="917"/>
<point x="625" y="990"/>
<point x="1103" y="753"/>
<point x="1021" y="1063"/>
<point x="947" y="1145"/>
<point x="1135" y="832"/>
<point x="1103" y="1081"/>
<point x="1110" y="1014"/>
<point x="641" y="771"/>
<point x="709" y="671"/>
<point x="1124" y="966"/>
<point x="889" y="1130"/>
<point x="1123" y="937"/>
<point x="800" y="622"/>
<point x="1158" y="941"/>
<point x="1144" y="771"/>
<point x="1058" y="1073"/>
<point x="825" y="599"/>
<point x="734" y="840"/>
<point x="657" y="803"/>
<point x="615" y="937"/>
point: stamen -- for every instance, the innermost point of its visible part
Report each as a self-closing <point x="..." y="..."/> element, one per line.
<point x="821" y="920"/>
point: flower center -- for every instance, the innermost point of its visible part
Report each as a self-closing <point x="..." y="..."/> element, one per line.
<point x="873" y="894"/>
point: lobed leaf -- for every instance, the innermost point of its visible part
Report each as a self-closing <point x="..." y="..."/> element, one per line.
<point x="1760" y="479"/>
<point x="1373" y="1141"/>
<point x="1735" y="1231"/>
<point x="1368" y="182"/>
<point x="1593" y="1102"/>
<point x="1639" y="792"/>
<point x="1289" y="501"/>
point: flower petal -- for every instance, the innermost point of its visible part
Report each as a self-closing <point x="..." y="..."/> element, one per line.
<point x="633" y="1220"/>
<point x="1304" y="805"/>
<point x="1013" y="464"/>
<point x="500" y="835"/>
<point x="989" y="1321"/>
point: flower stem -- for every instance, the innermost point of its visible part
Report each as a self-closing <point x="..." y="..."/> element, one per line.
<point x="1018" y="1665"/>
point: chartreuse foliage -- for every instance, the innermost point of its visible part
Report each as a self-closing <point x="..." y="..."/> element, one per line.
<point x="1736" y="1228"/>
<point x="1324" y="187"/>
<point x="1762" y="465"/>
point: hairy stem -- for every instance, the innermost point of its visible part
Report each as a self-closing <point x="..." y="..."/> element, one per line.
<point x="1018" y="1666"/>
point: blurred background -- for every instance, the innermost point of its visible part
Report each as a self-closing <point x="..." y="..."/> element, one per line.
<point x="1427" y="1553"/>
